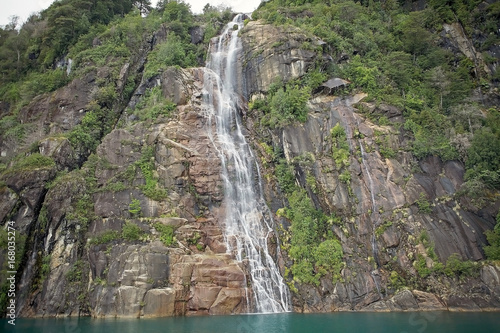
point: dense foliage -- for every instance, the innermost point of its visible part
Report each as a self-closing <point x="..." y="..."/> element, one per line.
<point x="107" y="47"/>
<point x="100" y="38"/>
<point x="387" y="49"/>
<point x="309" y="241"/>
<point x="399" y="56"/>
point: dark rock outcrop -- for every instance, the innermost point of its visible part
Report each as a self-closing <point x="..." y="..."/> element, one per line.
<point x="137" y="230"/>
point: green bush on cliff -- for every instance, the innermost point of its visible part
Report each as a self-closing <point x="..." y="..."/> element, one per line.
<point x="395" y="55"/>
<point x="86" y="136"/>
<point x="33" y="161"/>
<point x="154" y="105"/>
<point x="313" y="247"/>
<point x="285" y="175"/>
<point x="424" y="206"/>
<point x="166" y="233"/>
<point x="134" y="208"/>
<point x="492" y="251"/>
<point x="146" y="163"/>
<point x="455" y="266"/>
<point x="173" y="52"/>
<point x="105" y="237"/>
<point x="340" y="147"/>
<point x="131" y="231"/>
<point x="287" y="105"/>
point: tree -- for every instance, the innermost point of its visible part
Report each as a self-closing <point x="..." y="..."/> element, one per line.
<point x="468" y="116"/>
<point x="482" y="158"/>
<point x="492" y="251"/>
<point x="144" y="6"/>
<point x="440" y="81"/>
<point x="415" y="39"/>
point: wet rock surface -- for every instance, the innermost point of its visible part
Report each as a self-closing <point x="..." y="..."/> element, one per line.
<point x="188" y="272"/>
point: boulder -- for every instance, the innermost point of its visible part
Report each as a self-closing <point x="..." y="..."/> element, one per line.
<point x="428" y="301"/>
<point x="159" y="303"/>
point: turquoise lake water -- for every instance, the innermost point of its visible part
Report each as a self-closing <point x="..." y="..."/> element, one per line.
<point x="421" y="322"/>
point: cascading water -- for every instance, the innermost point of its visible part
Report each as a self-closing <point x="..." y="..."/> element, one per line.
<point x="347" y="118"/>
<point x="248" y="220"/>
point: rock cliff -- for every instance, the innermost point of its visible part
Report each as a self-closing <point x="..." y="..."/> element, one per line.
<point x="134" y="230"/>
<point x="385" y="230"/>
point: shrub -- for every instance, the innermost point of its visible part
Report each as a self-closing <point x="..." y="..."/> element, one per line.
<point x="424" y="206"/>
<point x="166" y="233"/>
<point x="173" y="52"/>
<point x="286" y="178"/>
<point x="75" y="274"/>
<point x="340" y="148"/>
<point x="34" y="161"/>
<point x="131" y="231"/>
<point x="288" y="105"/>
<point x="134" y="207"/>
<point x="328" y="256"/>
<point x="421" y="266"/>
<point x="154" y="105"/>
<point x="492" y="251"/>
<point x="106" y="237"/>
<point x="345" y="177"/>
<point x="455" y="266"/>
<point x="151" y="189"/>
<point x="86" y="136"/>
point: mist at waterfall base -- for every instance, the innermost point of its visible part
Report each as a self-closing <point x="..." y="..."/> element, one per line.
<point x="363" y="322"/>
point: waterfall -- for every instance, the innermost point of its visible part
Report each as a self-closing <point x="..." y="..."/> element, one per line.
<point x="375" y="218"/>
<point x="248" y="221"/>
<point x="348" y="119"/>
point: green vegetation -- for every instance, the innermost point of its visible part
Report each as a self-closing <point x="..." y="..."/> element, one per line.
<point x="396" y="281"/>
<point x="454" y="267"/>
<point x="147" y="165"/>
<point x="81" y="184"/>
<point x="492" y="251"/>
<point x="286" y="103"/>
<point x="382" y="228"/>
<point x="166" y="233"/>
<point x="312" y="245"/>
<point x="105" y="237"/>
<point x="75" y="274"/>
<point x="33" y="161"/>
<point x="45" y="267"/>
<point x="340" y="147"/>
<point x="86" y="136"/>
<point x="173" y="52"/>
<point x="154" y="105"/>
<point x="341" y="154"/>
<point x="395" y="56"/>
<point x="424" y="206"/>
<point x="102" y="38"/>
<point x="134" y="207"/>
<point x="131" y="231"/>
<point x="283" y="105"/>
<point x="384" y="145"/>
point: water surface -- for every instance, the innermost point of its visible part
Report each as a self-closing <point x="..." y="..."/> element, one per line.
<point x="285" y="322"/>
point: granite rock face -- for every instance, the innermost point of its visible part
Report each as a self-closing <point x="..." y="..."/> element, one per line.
<point x="382" y="198"/>
<point x="271" y="53"/>
<point x="139" y="276"/>
<point x="135" y="230"/>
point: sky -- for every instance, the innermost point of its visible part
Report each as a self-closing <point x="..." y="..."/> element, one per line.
<point x="24" y="8"/>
